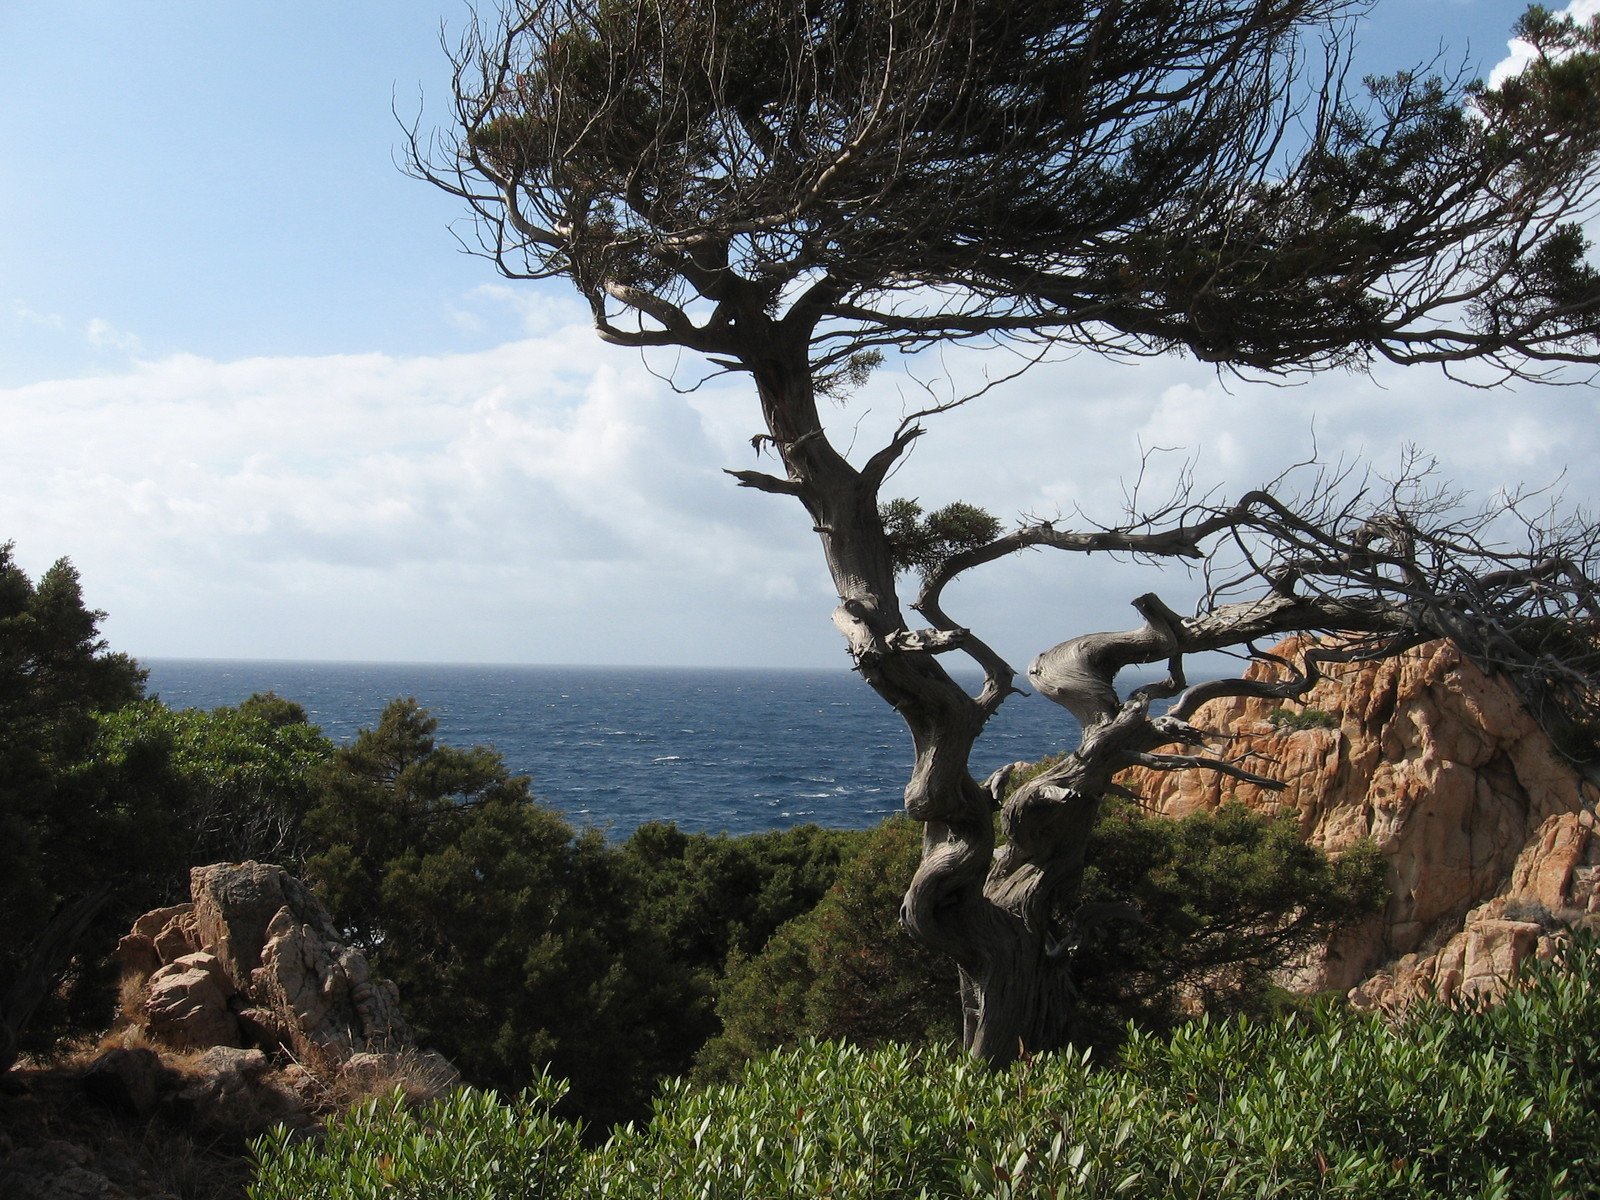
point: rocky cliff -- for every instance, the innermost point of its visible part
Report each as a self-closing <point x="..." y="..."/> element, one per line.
<point x="1488" y="831"/>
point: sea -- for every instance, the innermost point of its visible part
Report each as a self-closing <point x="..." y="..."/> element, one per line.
<point x="714" y="751"/>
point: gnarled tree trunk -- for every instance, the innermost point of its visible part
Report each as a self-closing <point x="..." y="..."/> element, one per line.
<point x="989" y="913"/>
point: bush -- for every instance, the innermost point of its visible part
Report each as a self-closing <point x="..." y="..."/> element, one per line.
<point x="711" y="901"/>
<point x="244" y="777"/>
<point x="521" y="945"/>
<point x="844" y="970"/>
<point x="1293" y="720"/>
<point x="1493" y="1103"/>
<point x="467" y="1145"/>
<point x="1169" y="913"/>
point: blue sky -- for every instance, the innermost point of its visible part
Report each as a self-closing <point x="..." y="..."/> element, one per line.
<point x="251" y="385"/>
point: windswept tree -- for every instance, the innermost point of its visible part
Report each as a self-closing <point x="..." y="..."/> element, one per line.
<point x="795" y="190"/>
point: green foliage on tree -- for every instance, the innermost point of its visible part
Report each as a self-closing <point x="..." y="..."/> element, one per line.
<point x="712" y="899"/>
<point x="923" y="542"/>
<point x="520" y="945"/>
<point x="1203" y="909"/>
<point x="75" y="843"/>
<point x="244" y="777"/>
<point x="845" y="969"/>
<point x="500" y="925"/>
<point x="1495" y="1103"/>
<point x="1170" y="913"/>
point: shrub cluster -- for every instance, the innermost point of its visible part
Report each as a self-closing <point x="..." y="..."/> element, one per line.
<point x="1293" y="720"/>
<point x="1492" y="1103"/>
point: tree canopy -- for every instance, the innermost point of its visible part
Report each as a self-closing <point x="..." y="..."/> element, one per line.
<point x="1139" y="176"/>
<point x="70" y="837"/>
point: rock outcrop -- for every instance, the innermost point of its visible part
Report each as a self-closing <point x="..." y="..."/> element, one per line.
<point x="1489" y="832"/>
<point x="254" y="962"/>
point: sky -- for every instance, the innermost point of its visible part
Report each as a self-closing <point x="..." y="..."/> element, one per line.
<point x="251" y="385"/>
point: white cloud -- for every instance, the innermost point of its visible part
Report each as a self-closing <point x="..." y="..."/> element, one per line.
<point x="29" y="316"/>
<point x="102" y="335"/>
<point x="551" y="500"/>
<point x="543" y="500"/>
<point x="1520" y="53"/>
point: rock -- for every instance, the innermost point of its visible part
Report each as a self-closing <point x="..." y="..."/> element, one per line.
<point x="157" y="938"/>
<point x="324" y="992"/>
<point x="256" y="960"/>
<point x="186" y="1005"/>
<point x="1480" y="818"/>
<point x="55" y="1170"/>
<point x="228" y="1093"/>
<point x="263" y="1027"/>
<point x="231" y="1060"/>
<point x="235" y="902"/>
<point x="424" y="1075"/>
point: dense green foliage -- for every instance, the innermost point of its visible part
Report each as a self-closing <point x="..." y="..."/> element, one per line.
<point x="520" y="944"/>
<point x="845" y="969"/>
<point x="1170" y="912"/>
<point x="922" y="542"/>
<point x="243" y="777"/>
<point x="75" y="838"/>
<point x="1494" y="1103"/>
<point x="499" y="924"/>
<point x="1221" y="899"/>
<point x="713" y="900"/>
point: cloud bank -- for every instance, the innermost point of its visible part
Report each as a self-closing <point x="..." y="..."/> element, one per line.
<point x="550" y="500"/>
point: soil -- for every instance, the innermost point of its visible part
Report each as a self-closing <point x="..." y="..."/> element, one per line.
<point x="59" y="1143"/>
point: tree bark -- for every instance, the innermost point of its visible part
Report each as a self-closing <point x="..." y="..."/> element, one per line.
<point x="988" y="913"/>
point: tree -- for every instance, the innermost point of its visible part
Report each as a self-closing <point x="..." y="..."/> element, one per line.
<point x="70" y="840"/>
<point x="709" y="900"/>
<point x="509" y="935"/>
<point x="793" y="190"/>
<point x="244" y="777"/>
<point x="1174" y="912"/>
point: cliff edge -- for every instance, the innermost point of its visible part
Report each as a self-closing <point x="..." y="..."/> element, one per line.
<point x="1488" y="830"/>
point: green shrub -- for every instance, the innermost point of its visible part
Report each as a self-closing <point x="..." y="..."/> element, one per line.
<point x="1292" y="720"/>
<point x="1203" y="908"/>
<point x="844" y="970"/>
<point x="1489" y="1103"/>
<point x="466" y="1146"/>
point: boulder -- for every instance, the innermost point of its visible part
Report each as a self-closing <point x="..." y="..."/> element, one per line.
<point x="234" y="903"/>
<point x="322" y="991"/>
<point x="229" y="1092"/>
<point x="255" y="960"/>
<point x="1487" y="829"/>
<point x="158" y="938"/>
<point x="186" y="1004"/>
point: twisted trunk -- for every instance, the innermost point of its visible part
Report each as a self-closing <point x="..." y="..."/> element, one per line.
<point x="988" y="913"/>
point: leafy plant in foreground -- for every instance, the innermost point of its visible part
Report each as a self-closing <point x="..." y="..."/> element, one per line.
<point x="1492" y="1104"/>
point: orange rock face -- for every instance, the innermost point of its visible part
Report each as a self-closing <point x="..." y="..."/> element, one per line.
<point x="1487" y="829"/>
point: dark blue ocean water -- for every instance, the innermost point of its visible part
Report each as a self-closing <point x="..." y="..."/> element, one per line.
<point x="713" y="750"/>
